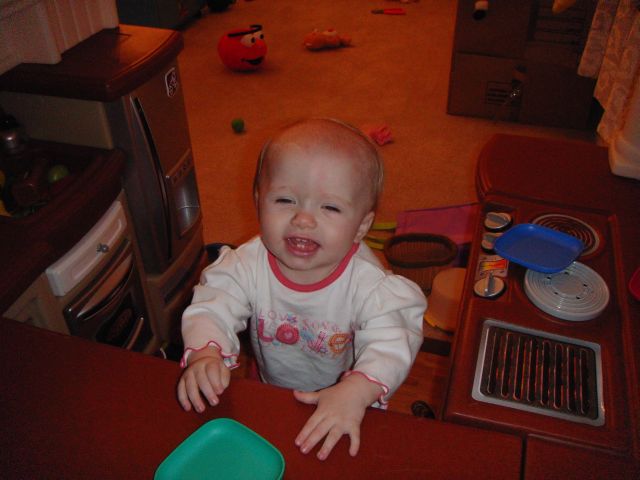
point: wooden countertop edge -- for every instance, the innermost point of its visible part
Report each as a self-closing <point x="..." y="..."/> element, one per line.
<point x="101" y="403"/>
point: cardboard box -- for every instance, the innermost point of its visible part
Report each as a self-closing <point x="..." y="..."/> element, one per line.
<point x="502" y="32"/>
<point x="523" y="91"/>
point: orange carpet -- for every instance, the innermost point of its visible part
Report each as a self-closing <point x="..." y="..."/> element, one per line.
<point x="395" y="73"/>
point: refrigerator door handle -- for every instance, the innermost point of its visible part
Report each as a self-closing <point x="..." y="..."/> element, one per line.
<point x="143" y="126"/>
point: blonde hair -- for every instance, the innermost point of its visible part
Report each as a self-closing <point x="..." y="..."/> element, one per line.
<point x="332" y="131"/>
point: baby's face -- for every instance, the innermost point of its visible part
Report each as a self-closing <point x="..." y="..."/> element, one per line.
<point x="313" y="205"/>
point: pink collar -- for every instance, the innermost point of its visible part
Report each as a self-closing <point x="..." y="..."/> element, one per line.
<point x="299" y="287"/>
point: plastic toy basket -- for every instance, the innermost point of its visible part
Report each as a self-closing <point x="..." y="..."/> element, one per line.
<point x="420" y="256"/>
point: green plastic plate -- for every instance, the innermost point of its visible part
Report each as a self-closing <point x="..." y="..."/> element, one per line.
<point x="225" y="449"/>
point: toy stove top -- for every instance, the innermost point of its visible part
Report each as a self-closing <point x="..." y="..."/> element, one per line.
<point x="541" y="353"/>
<point x="572" y="226"/>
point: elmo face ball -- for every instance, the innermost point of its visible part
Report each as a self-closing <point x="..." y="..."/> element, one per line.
<point x="243" y="49"/>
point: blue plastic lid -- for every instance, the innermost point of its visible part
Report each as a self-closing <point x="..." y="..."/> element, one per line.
<point x="538" y="248"/>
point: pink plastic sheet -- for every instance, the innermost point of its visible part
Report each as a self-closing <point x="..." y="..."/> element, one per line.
<point x="455" y="222"/>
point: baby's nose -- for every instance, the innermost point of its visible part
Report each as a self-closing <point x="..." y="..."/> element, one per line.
<point x="304" y="219"/>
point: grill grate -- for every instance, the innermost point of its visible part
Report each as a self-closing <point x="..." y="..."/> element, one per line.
<point x="501" y="94"/>
<point x="541" y="373"/>
<point x="569" y="28"/>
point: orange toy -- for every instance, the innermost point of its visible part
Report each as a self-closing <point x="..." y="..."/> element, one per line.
<point x="317" y="40"/>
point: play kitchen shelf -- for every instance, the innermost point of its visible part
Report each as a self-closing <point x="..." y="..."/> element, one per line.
<point x="30" y="244"/>
<point x="121" y="88"/>
<point x="552" y="356"/>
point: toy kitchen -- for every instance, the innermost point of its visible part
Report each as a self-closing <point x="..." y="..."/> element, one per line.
<point x="548" y="350"/>
<point x="119" y="255"/>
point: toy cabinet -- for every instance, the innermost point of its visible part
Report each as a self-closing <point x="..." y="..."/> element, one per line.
<point x="517" y="61"/>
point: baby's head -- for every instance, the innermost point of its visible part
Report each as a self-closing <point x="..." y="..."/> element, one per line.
<point x="316" y="187"/>
<point x="331" y="137"/>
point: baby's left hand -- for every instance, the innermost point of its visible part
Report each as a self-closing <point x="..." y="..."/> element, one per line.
<point x="340" y="411"/>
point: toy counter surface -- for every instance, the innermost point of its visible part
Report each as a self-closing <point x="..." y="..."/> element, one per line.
<point x="77" y="409"/>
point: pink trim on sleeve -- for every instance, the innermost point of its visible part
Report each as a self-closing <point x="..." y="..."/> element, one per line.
<point x="229" y="359"/>
<point x="385" y="389"/>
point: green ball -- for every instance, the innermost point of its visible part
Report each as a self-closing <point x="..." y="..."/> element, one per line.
<point x="238" y="125"/>
<point x="57" y="173"/>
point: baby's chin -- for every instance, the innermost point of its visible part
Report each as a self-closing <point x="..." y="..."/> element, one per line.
<point x="297" y="271"/>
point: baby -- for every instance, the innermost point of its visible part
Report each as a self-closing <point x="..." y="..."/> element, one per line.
<point x="325" y="318"/>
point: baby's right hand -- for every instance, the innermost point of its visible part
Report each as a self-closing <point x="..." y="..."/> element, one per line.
<point x="205" y="373"/>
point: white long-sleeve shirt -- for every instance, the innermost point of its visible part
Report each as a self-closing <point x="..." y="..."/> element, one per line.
<point x="361" y="318"/>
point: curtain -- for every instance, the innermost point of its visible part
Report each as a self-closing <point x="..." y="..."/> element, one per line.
<point x="612" y="55"/>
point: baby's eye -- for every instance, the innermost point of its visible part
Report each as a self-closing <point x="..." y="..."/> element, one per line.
<point x="285" y="201"/>
<point x="332" y="208"/>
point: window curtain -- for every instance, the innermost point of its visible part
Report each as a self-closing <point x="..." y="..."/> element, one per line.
<point x="612" y="55"/>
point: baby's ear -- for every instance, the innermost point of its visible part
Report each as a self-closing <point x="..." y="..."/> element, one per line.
<point x="364" y="227"/>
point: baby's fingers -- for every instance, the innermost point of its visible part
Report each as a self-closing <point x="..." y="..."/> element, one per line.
<point x="213" y="380"/>
<point x="355" y="442"/>
<point x="210" y="386"/>
<point x="311" y="434"/>
<point x="225" y="376"/>
<point x="330" y="442"/>
<point x="183" y="398"/>
<point x="310" y="398"/>
<point x="193" y="392"/>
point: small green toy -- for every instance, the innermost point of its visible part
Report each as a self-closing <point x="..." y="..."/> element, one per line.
<point x="238" y="125"/>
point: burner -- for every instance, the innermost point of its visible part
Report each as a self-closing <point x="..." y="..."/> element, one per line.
<point x="577" y="293"/>
<point x="572" y="226"/>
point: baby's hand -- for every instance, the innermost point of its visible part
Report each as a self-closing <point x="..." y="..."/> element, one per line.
<point x="206" y="373"/>
<point x="340" y="411"/>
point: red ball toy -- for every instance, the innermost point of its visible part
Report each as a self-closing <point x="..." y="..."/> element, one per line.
<point x="243" y="49"/>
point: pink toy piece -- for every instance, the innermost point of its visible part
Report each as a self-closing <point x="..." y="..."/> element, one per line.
<point x="381" y="134"/>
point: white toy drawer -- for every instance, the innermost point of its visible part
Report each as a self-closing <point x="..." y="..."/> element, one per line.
<point x="78" y="262"/>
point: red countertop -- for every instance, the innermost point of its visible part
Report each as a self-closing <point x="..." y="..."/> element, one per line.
<point x="574" y="173"/>
<point x="76" y="409"/>
<point x="547" y="459"/>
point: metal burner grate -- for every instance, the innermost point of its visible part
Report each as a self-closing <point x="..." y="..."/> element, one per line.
<point x="539" y="372"/>
<point x="572" y="226"/>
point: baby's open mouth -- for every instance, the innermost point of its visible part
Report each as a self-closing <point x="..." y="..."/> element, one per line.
<point x="302" y="245"/>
